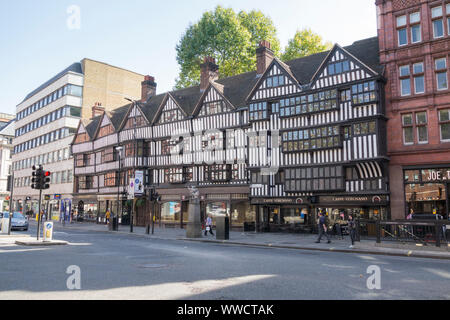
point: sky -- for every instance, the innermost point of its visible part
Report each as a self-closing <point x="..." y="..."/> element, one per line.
<point x="40" y="38"/>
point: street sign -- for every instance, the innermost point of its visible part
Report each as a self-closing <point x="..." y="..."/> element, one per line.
<point x="130" y="191"/>
<point x="139" y="183"/>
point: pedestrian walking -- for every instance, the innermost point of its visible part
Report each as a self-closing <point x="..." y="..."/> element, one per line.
<point x="337" y="227"/>
<point x="322" y="224"/>
<point x="107" y="216"/>
<point x="351" y="230"/>
<point x="208" y="226"/>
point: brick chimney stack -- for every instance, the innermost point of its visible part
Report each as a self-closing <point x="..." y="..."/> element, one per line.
<point x="209" y="72"/>
<point x="264" y="56"/>
<point x="148" y="88"/>
<point x="97" y="110"/>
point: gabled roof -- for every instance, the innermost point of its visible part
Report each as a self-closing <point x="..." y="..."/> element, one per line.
<point x="91" y="127"/>
<point x="365" y="50"/>
<point x="237" y="88"/>
<point x="118" y="116"/>
<point x="219" y="88"/>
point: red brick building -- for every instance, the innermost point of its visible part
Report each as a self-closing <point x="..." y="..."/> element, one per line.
<point x="414" y="41"/>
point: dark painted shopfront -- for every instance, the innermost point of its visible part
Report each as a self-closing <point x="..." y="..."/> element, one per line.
<point x="300" y="214"/>
<point x="427" y="191"/>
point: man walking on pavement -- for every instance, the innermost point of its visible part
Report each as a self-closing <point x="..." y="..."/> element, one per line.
<point x="351" y="230"/>
<point x="322" y="227"/>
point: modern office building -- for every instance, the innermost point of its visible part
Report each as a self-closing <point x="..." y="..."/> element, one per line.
<point x="48" y="118"/>
<point x="414" y="40"/>
<point x="6" y="151"/>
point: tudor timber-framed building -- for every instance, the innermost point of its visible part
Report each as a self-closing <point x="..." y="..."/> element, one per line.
<point x="272" y="146"/>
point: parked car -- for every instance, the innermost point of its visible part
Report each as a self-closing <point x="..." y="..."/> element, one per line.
<point x="18" y="221"/>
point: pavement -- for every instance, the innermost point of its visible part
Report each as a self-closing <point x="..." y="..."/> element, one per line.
<point x="277" y="240"/>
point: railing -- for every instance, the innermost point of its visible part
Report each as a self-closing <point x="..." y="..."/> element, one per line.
<point x="422" y="232"/>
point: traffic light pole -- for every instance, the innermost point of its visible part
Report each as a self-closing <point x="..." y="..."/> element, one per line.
<point x="39" y="215"/>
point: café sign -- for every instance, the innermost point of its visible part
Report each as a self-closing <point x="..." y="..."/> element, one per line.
<point x="437" y="175"/>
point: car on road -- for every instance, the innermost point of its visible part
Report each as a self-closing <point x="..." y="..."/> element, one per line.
<point x="18" y="221"/>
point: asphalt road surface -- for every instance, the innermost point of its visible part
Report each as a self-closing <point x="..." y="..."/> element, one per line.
<point x="109" y="266"/>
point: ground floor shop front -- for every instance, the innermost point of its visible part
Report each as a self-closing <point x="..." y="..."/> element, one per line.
<point x="55" y="207"/>
<point x="247" y="214"/>
<point x="300" y="214"/>
<point x="421" y="190"/>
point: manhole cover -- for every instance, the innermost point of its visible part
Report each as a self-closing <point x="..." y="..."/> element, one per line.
<point x="153" y="266"/>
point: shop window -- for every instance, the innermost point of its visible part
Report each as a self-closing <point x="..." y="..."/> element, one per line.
<point x="171" y="212"/>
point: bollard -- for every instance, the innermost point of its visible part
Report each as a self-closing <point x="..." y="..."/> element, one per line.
<point x="378" y="230"/>
<point x="437" y="231"/>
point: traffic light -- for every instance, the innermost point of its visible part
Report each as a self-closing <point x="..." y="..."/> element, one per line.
<point x="36" y="180"/>
<point x="46" y="180"/>
<point x="41" y="178"/>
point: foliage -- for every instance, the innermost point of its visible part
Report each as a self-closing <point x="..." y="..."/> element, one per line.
<point x="228" y="37"/>
<point x="304" y="43"/>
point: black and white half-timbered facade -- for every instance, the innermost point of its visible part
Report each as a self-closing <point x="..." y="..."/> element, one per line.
<point x="269" y="148"/>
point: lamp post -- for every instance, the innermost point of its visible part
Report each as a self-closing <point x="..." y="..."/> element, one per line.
<point x="119" y="203"/>
<point x="134" y="104"/>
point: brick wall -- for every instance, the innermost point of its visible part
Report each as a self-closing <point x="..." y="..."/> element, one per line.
<point x="393" y="56"/>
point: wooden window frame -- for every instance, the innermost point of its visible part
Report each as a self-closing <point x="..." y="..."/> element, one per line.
<point x="434" y="19"/>
<point x="110" y="179"/>
<point x="407" y="126"/>
<point x="442" y="70"/>
<point x="311" y="136"/>
<point x="213" y="173"/>
<point x="442" y="122"/>
<point x="403" y="78"/>
<point x="421" y="125"/>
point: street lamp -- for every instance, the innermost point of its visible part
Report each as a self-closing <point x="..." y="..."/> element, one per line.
<point x="119" y="203"/>
<point x="134" y="103"/>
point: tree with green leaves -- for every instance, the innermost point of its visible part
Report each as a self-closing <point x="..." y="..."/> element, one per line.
<point x="228" y="37"/>
<point x="304" y="43"/>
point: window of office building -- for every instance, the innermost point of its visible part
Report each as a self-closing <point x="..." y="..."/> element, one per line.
<point x="441" y="73"/>
<point x="444" y="124"/>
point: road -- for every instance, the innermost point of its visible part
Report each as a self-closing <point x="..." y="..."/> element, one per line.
<point x="121" y="266"/>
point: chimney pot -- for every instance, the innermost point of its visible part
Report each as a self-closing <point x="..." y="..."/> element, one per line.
<point x="209" y="72"/>
<point x="148" y="88"/>
<point x="97" y="110"/>
<point x="264" y="57"/>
